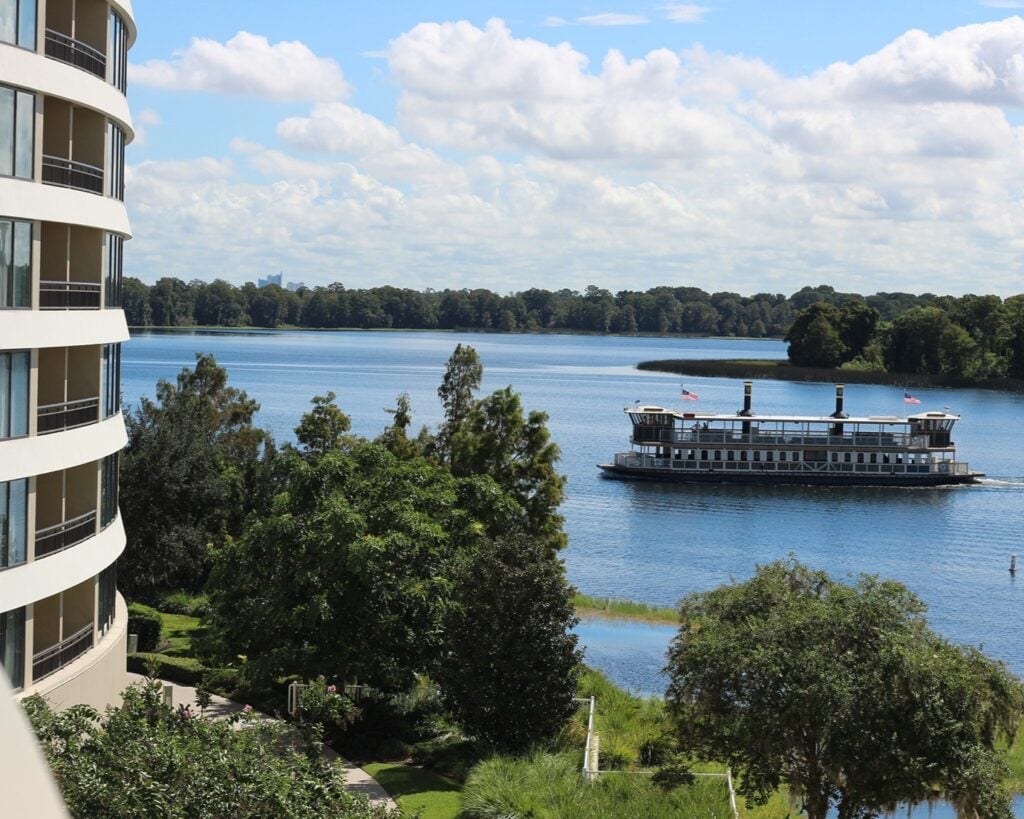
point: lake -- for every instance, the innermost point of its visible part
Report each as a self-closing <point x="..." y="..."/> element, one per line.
<point x="658" y="542"/>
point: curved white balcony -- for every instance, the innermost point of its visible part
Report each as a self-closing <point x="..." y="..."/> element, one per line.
<point x="22" y="199"/>
<point x="29" y="582"/>
<point x="40" y="454"/>
<point x="36" y="72"/>
<point x="25" y="329"/>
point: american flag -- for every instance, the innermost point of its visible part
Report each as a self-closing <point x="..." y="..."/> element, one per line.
<point x="686" y="395"/>
<point x="909" y="399"/>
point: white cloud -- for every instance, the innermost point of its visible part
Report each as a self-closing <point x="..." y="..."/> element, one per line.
<point x="555" y="22"/>
<point x="610" y="18"/>
<point x="246" y="65"/>
<point x="337" y="128"/>
<point x="533" y="167"/>
<point x="144" y="120"/>
<point x="685" y="13"/>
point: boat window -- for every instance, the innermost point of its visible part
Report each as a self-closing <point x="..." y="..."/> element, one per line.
<point x="860" y="457"/>
<point x="743" y="454"/>
<point x="847" y="457"/>
<point x="885" y="457"/>
<point x="794" y="456"/>
<point x="874" y="458"/>
<point x="703" y="454"/>
<point x="757" y="454"/>
<point x="730" y="455"/>
<point x="718" y="454"/>
<point x="835" y="457"/>
<point x="769" y="455"/>
<point x="782" y="456"/>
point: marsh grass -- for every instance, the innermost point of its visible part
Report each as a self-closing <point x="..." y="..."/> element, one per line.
<point x="589" y="606"/>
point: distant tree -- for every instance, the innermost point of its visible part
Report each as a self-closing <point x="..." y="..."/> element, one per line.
<point x="144" y="758"/>
<point x="220" y="304"/>
<point x="135" y="301"/>
<point x="842" y="693"/>
<point x="857" y="326"/>
<point x="510" y="664"/>
<point x="461" y="380"/>
<point x="814" y="339"/>
<point x="194" y="467"/>
<point x="170" y="300"/>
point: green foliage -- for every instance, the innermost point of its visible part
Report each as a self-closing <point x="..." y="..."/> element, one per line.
<point x="814" y="339"/>
<point x="589" y="605"/>
<point x="181" y="602"/>
<point x="145" y="622"/>
<point x="510" y="663"/>
<point x="146" y="759"/>
<point x="491" y="436"/>
<point x="184" y="670"/>
<point x="551" y="786"/>
<point x="348" y="575"/>
<point x="322" y="704"/>
<point x="323" y="428"/>
<point x="842" y="693"/>
<point x="194" y="467"/>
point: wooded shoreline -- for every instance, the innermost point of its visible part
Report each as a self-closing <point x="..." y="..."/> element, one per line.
<point x="782" y="370"/>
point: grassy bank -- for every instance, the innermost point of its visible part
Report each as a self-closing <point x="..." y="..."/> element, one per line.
<point x="418" y="791"/>
<point x="784" y="371"/>
<point x="610" y="607"/>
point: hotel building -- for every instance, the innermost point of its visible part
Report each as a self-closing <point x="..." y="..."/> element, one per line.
<point x="64" y="123"/>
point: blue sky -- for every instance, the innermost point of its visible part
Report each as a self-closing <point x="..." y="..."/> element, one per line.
<point x="734" y="145"/>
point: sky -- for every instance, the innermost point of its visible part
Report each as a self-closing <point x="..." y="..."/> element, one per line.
<point x="737" y="145"/>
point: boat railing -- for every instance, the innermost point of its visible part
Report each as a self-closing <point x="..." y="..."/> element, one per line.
<point x="635" y="460"/>
<point x="885" y="440"/>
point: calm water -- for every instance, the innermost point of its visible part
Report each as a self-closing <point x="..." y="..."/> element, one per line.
<point x="658" y="542"/>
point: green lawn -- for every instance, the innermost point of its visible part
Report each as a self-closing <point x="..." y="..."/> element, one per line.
<point x="417" y="789"/>
<point x="178" y="631"/>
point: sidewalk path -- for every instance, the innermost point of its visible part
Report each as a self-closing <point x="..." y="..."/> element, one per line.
<point x="356" y="779"/>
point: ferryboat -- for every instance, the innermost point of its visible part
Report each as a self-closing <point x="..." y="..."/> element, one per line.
<point x="828" y="450"/>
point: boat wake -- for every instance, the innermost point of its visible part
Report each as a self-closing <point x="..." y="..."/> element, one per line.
<point x="1013" y="483"/>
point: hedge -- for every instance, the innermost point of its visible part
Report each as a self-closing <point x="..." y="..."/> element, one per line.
<point x="183" y="670"/>
<point x="147" y="623"/>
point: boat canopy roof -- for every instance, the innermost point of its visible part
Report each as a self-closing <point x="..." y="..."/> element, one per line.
<point x="688" y="416"/>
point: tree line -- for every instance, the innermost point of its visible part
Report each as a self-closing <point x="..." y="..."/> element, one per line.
<point x="970" y="337"/>
<point x="172" y="302"/>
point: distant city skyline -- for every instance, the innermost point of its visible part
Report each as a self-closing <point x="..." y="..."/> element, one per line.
<point x="732" y="146"/>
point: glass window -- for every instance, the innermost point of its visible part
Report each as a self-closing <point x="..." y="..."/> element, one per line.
<point x="17" y="129"/>
<point x="12" y="646"/>
<point x="115" y="161"/>
<point x="117" y="53"/>
<point x="111" y="379"/>
<point x="18" y="22"/>
<point x="108" y="490"/>
<point x="14" y="374"/>
<point x="15" y="264"/>
<point x="107" y="596"/>
<point x="113" y="282"/>
<point x="13" y="522"/>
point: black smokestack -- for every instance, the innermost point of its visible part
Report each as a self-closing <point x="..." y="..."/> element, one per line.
<point x="748" y="388"/>
<point x="839" y="403"/>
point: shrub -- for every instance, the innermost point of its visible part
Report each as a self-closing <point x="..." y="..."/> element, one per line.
<point x="181" y="602"/>
<point x="183" y="670"/>
<point x="147" y="623"/>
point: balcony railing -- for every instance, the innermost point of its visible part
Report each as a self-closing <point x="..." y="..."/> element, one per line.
<point x="54" y="658"/>
<point x="75" y="52"/>
<point x="67" y="415"/>
<point x="64" y="535"/>
<point x="67" y="173"/>
<point x="60" y="295"/>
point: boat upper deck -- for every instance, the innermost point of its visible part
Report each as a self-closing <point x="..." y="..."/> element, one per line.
<point x="690" y="417"/>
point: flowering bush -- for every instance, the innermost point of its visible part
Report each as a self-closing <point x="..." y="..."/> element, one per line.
<point x="321" y="703"/>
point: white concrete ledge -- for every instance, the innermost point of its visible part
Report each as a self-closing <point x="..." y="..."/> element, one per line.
<point x="41" y="578"/>
<point x="27" y="329"/>
<point x="39" y="454"/>
<point x="36" y="72"/>
<point x="24" y="199"/>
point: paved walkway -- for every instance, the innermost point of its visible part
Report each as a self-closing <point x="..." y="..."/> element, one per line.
<point x="356" y="779"/>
